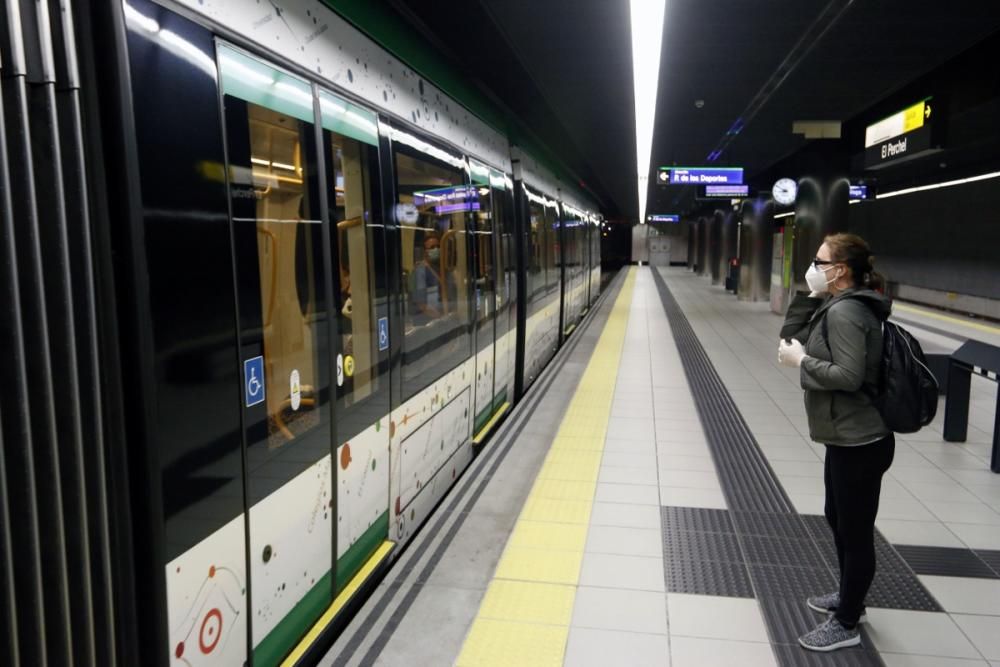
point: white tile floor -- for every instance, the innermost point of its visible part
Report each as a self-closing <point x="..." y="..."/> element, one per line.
<point x="936" y="493"/>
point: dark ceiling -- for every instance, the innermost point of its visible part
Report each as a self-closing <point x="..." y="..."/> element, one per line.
<point x="564" y="68"/>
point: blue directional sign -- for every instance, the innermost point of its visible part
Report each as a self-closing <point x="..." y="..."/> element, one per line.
<point x="664" y="218"/>
<point x="701" y="175"/>
<point x="383" y="333"/>
<point x="253" y="380"/>
<point x="858" y="192"/>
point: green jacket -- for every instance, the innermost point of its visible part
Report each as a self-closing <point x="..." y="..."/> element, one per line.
<point x="840" y="374"/>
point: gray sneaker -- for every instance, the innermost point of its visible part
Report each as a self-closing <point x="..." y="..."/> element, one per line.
<point x="827" y="604"/>
<point x="829" y="636"/>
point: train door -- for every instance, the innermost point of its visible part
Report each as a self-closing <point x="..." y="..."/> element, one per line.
<point x="503" y="210"/>
<point x="313" y="329"/>
<point x="283" y="300"/>
<point x="360" y="304"/>
<point x="484" y="292"/>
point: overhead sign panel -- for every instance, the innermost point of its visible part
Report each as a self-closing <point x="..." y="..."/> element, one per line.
<point x="858" y="192"/>
<point x="700" y="176"/>
<point x="725" y="191"/>
<point x="902" y="136"/>
<point x="664" y="218"/>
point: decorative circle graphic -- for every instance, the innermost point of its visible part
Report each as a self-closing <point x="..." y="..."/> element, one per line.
<point x="345" y="456"/>
<point x="211" y="631"/>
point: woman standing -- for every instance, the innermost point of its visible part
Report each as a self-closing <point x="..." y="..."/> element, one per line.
<point x="834" y="337"/>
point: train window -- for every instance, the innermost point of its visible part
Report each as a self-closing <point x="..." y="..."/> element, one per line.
<point x="485" y="277"/>
<point x="433" y="202"/>
<point x="536" y="256"/>
<point x="552" y="249"/>
<point x="279" y="249"/>
<point x="350" y="144"/>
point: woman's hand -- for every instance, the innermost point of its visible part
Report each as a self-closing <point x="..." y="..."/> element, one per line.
<point x="791" y="353"/>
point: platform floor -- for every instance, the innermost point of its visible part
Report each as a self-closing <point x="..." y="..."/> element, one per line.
<point x="656" y="500"/>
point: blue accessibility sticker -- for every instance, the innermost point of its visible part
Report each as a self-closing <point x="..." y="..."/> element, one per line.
<point x="383" y="333"/>
<point x="253" y="380"/>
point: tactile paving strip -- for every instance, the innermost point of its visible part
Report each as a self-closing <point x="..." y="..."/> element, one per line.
<point x="896" y="591"/>
<point x="779" y="551"/>
<point x="946" y="561"/>
<point x="707" y="578"/>
<point x="771" y="524"/>
<point x="991" y="558"/>
<point x="787" y="620"/>
<point x="702" y="546"/>
<point x="791" y="583"/>
<point x="697" y="518"/>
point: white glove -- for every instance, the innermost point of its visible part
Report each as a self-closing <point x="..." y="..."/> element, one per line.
<point x="791" y="354"/>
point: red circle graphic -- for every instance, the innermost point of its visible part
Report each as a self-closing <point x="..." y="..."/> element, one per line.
<point x="214" y="631"/>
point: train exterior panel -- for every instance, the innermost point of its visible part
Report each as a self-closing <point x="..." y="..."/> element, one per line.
<point x="350" y="279"/>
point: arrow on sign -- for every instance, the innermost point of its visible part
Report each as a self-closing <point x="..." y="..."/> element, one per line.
<point x="927" y="111"/>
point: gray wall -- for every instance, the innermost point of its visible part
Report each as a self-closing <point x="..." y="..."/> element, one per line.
<point x="947" y="239"/>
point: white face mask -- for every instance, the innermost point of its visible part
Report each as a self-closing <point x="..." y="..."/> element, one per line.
<point x="816" y="279"/>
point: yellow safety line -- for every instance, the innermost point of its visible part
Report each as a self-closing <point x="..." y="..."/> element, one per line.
<point x="331" y="612"/>
<point x="488" y="426"/>
<point x="946" y="318"/>
<point x="525" y="615"/>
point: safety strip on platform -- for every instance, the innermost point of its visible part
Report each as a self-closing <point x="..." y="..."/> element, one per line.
<point x="525" y="615"/>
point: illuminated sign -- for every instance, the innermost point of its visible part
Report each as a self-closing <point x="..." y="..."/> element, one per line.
<point x="700" y="175"/>
<point x="442" y="209"/>
<point x="725" y="191"/>
<point x="858" y="192"/>
<point x="902" y="136"/>
<point x="664" y="218"/>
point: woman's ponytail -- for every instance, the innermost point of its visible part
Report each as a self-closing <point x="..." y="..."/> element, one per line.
<point x="853" y="251"/>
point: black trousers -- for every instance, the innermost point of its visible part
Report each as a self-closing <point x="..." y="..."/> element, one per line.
<point x="853" y="477"/>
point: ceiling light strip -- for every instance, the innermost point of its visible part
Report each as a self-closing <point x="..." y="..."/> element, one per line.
<point x="784" y="215"/>
<point x="934" y="186"/>
<point x="647" y="34"/>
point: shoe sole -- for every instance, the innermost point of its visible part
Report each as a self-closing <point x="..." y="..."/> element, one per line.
<point x="829" y="612"/>
<point x="853" y="641"/>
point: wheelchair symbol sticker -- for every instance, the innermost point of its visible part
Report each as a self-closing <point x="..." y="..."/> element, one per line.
<point x="253" y="380"/>
<point x="383" y="333"/>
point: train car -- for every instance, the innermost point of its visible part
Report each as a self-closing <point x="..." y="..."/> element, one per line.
<point x="331" y="282"/>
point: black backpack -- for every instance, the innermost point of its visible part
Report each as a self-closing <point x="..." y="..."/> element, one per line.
<point x="907" y="393"/>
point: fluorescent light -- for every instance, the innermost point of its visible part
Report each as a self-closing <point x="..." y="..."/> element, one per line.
<point x="647" y="33"/>
<point x="257" y="160"/>
<point x="785" y="215"/>
<point x="933" y="186"/>
<point x="282" y="165"/>
<point x="854" y="201"/>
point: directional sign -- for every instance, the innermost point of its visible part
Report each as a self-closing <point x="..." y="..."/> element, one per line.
<point x="664" y="218"/>
<point x="383" y="333"/>
<point x="253" y="380"/>
<point x="701" y="175"/>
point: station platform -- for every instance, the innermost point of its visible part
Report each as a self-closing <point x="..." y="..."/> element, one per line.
<point x="656" y="500"/>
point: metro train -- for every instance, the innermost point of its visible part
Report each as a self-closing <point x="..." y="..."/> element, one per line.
<point x="343" y="280"/>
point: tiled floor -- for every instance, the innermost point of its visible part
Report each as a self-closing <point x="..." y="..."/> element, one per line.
<point x="936" y="493"/>
<point x="621" y="607"/>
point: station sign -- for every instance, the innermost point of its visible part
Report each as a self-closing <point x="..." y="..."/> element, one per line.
<point x="724" y="192"/>
<point x="902" y="136"/>
<point x="664" y="218"/>
<point x="700" y="176"/>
